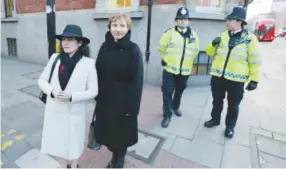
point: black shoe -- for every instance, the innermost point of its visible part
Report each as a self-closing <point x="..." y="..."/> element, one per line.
<point x="119" y="164"/>
<point x="69" y="166"/>
<point x="211" y="123"/>
<point x="165" y="122"/>
<point x="112" y="161"/>
<point x="228" y="133"/>
<point x="178" y="113"/>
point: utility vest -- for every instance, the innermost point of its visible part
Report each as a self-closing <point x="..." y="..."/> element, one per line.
<point x="178" y="52"/>
<point x="240" y="64"/>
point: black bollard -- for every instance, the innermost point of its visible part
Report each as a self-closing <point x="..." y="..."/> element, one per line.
<point x="147" y="53"/>
<point x="51" y="26"/>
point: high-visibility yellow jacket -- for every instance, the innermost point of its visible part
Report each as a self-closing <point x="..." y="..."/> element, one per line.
<point x="179" y="54"/>
<point x="244" y="62"/>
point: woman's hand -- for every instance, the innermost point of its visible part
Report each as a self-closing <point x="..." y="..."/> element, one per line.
<point x="64" y="96"/>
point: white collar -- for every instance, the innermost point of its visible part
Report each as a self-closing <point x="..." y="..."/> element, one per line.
<point x="182" y="30"/>
<point x="235" y="32"/>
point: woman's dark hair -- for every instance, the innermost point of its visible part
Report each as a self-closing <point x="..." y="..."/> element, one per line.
<point x="84" y="48"/>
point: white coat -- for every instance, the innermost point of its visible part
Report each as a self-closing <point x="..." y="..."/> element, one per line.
<point x="64" y="121"/>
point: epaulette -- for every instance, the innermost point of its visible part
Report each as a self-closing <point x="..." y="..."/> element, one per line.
<point x="167" y="30"/>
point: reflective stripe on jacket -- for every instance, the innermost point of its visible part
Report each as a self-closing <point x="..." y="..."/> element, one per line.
<point x="171" y="48"/>
<point x="244" y="61"/>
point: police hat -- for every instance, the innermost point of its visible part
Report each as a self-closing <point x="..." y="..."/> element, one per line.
<point x="182" y="13"/>
<point x="238" y="13"/>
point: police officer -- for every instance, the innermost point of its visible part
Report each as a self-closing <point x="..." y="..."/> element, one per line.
<point x="236" y="61"/>
<point x="178" y="47"/>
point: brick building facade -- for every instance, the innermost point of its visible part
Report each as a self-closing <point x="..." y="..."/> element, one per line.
<point x="24" y="26"/>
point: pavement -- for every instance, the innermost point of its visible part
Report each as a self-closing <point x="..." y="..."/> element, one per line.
<point x="259" y="140"/>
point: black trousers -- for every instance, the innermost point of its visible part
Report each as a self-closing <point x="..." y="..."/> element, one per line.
<point x="173" y="87"/>
<point x="235" y="90"/>
<point x="118" y="155"/>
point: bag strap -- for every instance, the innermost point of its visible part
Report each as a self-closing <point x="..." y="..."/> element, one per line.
<point x="53" y="67"/>
<point x="93" y="116"/>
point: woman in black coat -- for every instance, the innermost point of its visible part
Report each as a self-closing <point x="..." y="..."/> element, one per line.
<point x="120" y="78"/>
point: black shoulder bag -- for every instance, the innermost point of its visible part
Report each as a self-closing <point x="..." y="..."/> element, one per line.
<point x="91" y="141"/>
<point x="43" y="96"/>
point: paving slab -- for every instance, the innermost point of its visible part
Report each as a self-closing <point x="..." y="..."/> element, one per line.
<point x="241" y="136"/>
<point x="269" y="161"/>
<point x="280" y="137"/>
<point x="198" y="151"/>
<point x="261" y="132"/>
<point x="236" y="156"/>
<point x="32" y="90"/>
<point x="4" y="159"/>
<point x="269" y="146"/>
<point x="283" y="147"/>
<point x="147" y="148"/>
<point x="192" y="111"/>
<point x="274" y="123"/>
<point x="17" y="149"/>
<point x="35" y="159"/>
<point x="196" y="96"/>
<point x="184" y="126"/>
<point x="27" y="108"/>
<point x="33" y="75"/>
<point x="215" y="134"/>
<point x="35" y="139"/>
<point x="169" y="143"/>
<point x="10" y="165"/>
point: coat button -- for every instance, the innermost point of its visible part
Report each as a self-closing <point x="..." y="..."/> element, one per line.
<point x="121" y="50"/>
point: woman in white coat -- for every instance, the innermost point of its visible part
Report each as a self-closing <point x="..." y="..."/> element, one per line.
<point x="73" y="83"/>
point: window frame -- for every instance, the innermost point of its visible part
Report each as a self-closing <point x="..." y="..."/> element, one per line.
<point x="102" y="7"/>
<point x="209" y="13"/>
<point x="210" y="9"/>
<point x="13" y="10"/>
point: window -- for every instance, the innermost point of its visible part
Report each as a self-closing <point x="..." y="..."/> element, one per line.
<point x="117" y="5"/>
<point x="12" y="46"/>
<point x="210" y="5"/>
<point x="9" y="8"/>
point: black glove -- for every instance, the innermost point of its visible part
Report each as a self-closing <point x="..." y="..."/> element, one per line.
<point x="216" y="41"/>
<point x="251" y="86"/>
<point x="163" y="63"/>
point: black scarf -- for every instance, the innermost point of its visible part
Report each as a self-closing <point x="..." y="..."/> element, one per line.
<point x="67" y="66"/>
<point x="121" y="43"/>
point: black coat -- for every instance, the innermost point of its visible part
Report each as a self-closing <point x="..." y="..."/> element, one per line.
<point x="120" y="82"/>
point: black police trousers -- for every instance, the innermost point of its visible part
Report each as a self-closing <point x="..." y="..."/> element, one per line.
<point x="235" y="90"/>
<point x="172" y="88"/>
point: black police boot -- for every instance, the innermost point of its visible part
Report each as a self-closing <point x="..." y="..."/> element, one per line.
<point x="166" y="121"/>
<point x="228" y="133"/>
<point x="178" y="113"/>
<point x="211" y="123"/>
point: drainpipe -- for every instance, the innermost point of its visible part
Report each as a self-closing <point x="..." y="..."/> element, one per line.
<point x="147" y="53"/>
<point x="51" y="26"/>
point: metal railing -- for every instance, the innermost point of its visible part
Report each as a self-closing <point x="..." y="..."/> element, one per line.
<point x="202" y="64"/>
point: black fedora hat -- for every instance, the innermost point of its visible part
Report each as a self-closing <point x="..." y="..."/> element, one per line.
<point x="73" y="31"/>
<point x="238" y="13"/>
